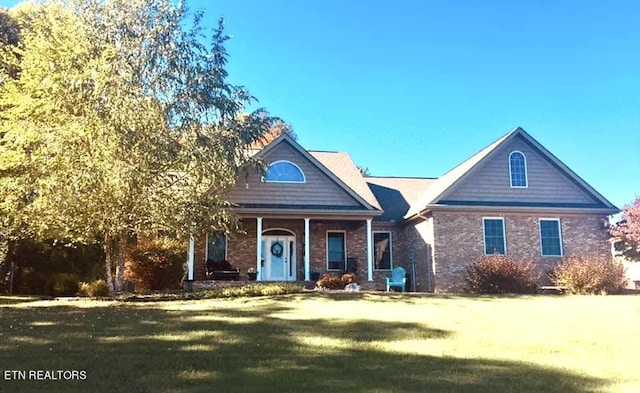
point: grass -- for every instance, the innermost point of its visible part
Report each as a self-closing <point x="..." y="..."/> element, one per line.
<point x="322" y="342"/>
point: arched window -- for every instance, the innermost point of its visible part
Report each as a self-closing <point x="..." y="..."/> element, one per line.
<point x="284" y="172"/>
<point x="518" y="169"/>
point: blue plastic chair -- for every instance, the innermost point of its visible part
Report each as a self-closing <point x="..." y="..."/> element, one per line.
<point x="398" y="279"/>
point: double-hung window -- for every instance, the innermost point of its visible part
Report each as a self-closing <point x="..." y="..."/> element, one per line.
<point x="336" y="251"/>
<point x="550" y="237"/>
<point x="494" y="236"/>
<point x="382" y="251"/>
<point x="216" y="247"/>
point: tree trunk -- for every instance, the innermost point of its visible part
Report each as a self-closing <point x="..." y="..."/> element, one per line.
<point x="108" y="251"/>
<point x="122" y="245"/>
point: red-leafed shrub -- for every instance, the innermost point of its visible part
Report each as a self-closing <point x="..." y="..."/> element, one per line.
<point x="155" y="264"/>
<point x="330" y="281"/>
<point x="501" y="274"/>
<point x="589" y="274"/>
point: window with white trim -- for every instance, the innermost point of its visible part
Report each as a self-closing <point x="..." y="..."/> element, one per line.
<point x="336" y="251"/>
<point x="217" y="247"/>
<point x="550" y="237"/>
<point x="494" y="237"/>
<point x="518" y="169"/>
<point x="284" y="172"/>
<point x="382" y="251"/>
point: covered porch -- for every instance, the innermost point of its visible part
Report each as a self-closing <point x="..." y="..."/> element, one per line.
<point x="279" y="248"/>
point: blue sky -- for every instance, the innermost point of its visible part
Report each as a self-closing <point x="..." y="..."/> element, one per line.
<point x="413" y="88"/>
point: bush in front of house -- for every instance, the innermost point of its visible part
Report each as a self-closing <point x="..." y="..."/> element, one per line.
<point x="495" y="274"/>
<point x="97" y="288"/>
<point x="590" y="274"/>
<point x="155" y="263"/>
<point x="331" y="281"/>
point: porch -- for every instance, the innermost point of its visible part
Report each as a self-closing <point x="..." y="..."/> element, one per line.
<point x="290" y="249"/>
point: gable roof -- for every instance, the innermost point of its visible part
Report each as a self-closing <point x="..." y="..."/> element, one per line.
<point x="337" y="166"/>
<point x="343" y="167"/>
<point x="397" y="194"/>
<point x="441" y="187"/>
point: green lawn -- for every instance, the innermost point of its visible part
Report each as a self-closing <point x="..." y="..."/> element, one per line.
<point x="315" y="342"/>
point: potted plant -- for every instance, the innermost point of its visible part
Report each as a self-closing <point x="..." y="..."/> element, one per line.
<point x="252" y="273"/>
<point x="315" y="274"/>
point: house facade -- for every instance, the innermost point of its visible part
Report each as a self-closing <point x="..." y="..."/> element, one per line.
<point x="313" y="211"/>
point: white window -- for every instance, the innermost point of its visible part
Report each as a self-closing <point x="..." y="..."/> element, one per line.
<point x="216" y="247"/>
<point x="518" y="169"/>
<point x="336" y="250"/>
<point x="284" y="172"/>
<point x="550" y="237"/>
<point x="494" y="236"/>
<point x="382" y="251"/>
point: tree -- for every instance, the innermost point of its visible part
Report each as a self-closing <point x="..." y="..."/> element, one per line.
<point x="277" y="128"/>
<point x="627" y="231"/>
<point x="9" y="37"/>
<point x="120" y="122"/>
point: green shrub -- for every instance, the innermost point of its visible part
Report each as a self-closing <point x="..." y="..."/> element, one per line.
<point x="156" y="264"/>
<point x="65" y="284"/>
<point x="250" y="290"/>
<point x="501" y="274"/>
<point x="97" y="288"/>
<point x="585" y="274"/>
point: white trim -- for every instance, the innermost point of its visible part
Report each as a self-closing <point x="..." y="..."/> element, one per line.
<point x="307" y="250"/>
<point x="304" y="178"/>
<point x="390" y="250"/>
<point x="344" y="234"/>
<point x="484" y="237"/>
<point x="265" y="231"/>
<point x="526" y="174"/>
<point x="559" y="235"/>
<point x="259" y="248"/>
<point x="191" y="257"/>
<point x="369" y="251"/>
<point x="206" y="247"/>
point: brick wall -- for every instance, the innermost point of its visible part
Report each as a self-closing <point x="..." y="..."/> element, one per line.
<point x="458" y="241"/>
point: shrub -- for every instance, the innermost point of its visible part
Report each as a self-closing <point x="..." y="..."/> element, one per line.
<point x="65" y="284"/>
<point x="349" y="278"/>
<point x="230" y="292"/>
<point x="97" y="288"/>
<point x="501" y="274"/>
<point x="156" y="264"/>
<point x="588" y="274"/>
<point x="330" y="281"/>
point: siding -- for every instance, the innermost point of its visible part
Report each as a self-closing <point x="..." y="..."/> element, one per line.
<point x="546" y="183"/>
<point x="319" y="189"/>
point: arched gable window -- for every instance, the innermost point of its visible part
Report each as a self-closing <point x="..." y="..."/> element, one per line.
<point x="518" y="169"/>
<point x="284" y="172"/>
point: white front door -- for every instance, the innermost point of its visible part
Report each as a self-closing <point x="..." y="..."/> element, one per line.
<point x="278" y="254"/>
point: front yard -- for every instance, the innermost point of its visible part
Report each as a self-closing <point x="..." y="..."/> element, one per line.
<point x="324" y="342"/>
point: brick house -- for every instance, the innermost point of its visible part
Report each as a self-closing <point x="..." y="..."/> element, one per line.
<point x="314" y="211"/>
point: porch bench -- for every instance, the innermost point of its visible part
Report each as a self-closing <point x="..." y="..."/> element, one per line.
<point x="222" y="271"/>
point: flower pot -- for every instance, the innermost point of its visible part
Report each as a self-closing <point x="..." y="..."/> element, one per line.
<point x="252" y="276"/>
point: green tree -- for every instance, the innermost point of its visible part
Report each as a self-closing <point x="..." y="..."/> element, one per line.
<point x="120" y="122"/>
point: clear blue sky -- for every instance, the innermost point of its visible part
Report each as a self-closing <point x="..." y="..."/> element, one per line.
<point x="413" y="88"/>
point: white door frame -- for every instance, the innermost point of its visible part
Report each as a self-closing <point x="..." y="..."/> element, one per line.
<point x="288" y="255"/>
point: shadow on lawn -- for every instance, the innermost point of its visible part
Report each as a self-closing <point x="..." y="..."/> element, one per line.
<point x="150" y="349"/>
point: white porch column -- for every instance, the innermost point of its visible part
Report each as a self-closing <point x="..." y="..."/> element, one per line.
<point x="191" y="257"/>
<point x="259" y="249"/>
<point x="307" y="250"/>
<point x="369" y="251"/>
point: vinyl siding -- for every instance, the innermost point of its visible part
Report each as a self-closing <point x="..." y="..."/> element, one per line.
<point x="491" y="182"/>
<point x="319" y="189"/>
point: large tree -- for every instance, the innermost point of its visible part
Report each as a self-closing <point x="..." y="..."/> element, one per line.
<point x="121" y="121"/>
<point x="627" y="231"/>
